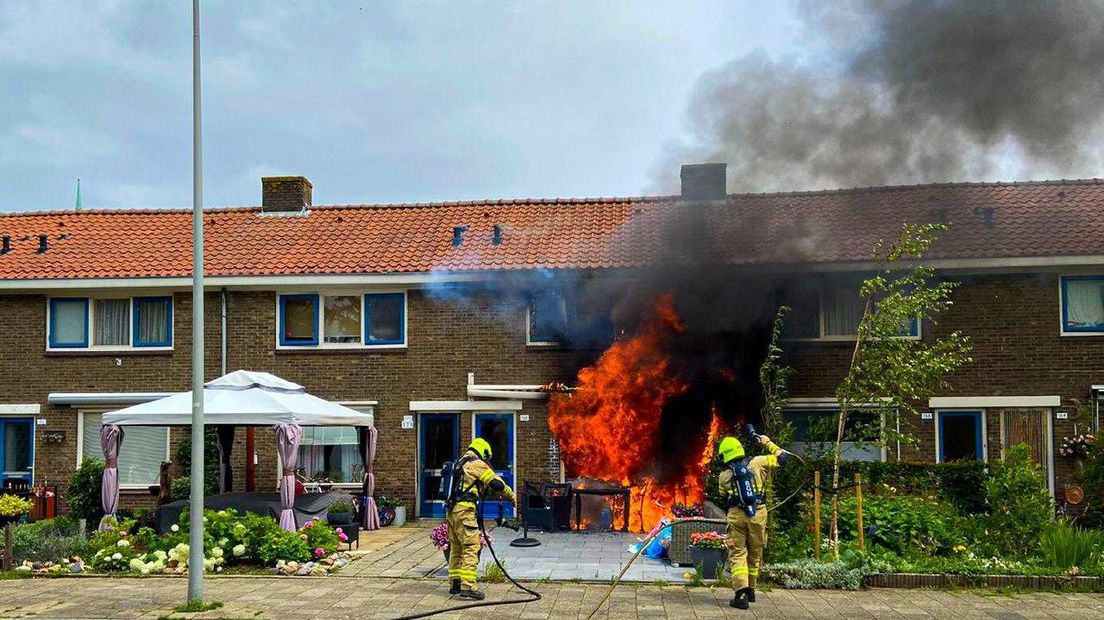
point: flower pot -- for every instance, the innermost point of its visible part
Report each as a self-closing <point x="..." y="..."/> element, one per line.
<point x="446" y="552"/>
<point x="400" y="516"/>
<point x="339" y="518"/>
<point x="707" y="560"/>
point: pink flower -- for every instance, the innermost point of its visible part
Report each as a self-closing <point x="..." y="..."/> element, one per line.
<point x="302" y="536"/>
<point x="308" y="524"/>
<point x="122" y="534"/>
<point x="319" y="552"/>
<point x="341" y="536"/>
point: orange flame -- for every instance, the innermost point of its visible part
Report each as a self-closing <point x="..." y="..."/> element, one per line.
<point x="608" y="429"/>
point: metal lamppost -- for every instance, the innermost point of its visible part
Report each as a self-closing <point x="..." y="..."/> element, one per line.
<point x="195" y="518"/>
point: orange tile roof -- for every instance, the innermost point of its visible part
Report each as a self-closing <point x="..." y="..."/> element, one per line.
<point x="987" y="220"/>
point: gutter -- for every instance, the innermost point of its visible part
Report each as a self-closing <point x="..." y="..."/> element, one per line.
<point x="79" y="399"/>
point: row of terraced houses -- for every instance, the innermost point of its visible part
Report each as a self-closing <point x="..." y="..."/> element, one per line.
<point x="347" y="300"/>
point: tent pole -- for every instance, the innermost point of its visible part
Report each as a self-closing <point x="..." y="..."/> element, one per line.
<point x="195" y="518"/>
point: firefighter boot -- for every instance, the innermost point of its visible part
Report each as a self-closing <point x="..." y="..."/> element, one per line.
<point x="751" y="595"/>
<point x="474" y="595"/>
<point x="455" y="589"/>
<point x="740" y="601"/>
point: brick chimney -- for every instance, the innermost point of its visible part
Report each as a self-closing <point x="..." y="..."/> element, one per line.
<point x="703" y="181"/>
<point x="285" y="194"/>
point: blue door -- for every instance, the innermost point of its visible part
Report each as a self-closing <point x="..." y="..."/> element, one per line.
<point x="960" y="436"/>
<point x="438" y="442"/>
<point x="16" y="450"/>
<point x="498" y="430"/>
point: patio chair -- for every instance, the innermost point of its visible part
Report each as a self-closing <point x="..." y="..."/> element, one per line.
<point x="547" y="507"/>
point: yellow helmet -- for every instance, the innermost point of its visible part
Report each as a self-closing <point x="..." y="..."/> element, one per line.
<point x="481" y="447"/>
<point x="730" y="449"/>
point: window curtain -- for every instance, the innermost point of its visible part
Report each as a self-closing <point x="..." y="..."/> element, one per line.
<point x="140" y="463"/>
<point x="225" y="434"/>
<point x="1085" y="303"/>
<point x="367" y="436"/>
<point x="111" y="437"/>
<point x="153" y="321"/>
<point x="287" y="446"/>
<point x="843" y="309"/>
<point x="69" y="322"/>
<point x="112" y="322"/>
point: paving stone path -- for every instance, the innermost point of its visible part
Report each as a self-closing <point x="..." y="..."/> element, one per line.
<point x="389" y="579"/>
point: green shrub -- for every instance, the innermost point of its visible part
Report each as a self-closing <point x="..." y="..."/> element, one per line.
<point x="903" y="524"/>
<point x="210" y="460"/>
<point x="811" y="574"/>
<point x="320" y="536"/>
<point x="340" y="508"/>
<point x="283" y="545"/>
<point x="48" y="540"/>
<point x="180" y="488"/>
<point x="1091" y="477"/>
<point x="1064" y="546"/>
<point x="84" y="492"/>
<point x="1020" y="505"/>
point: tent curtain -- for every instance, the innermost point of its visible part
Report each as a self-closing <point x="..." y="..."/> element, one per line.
<point x="225" y="434"/>
<point x="366" y="437"/>
<point x="287" y="445"/>
<point x="111" y="437"/>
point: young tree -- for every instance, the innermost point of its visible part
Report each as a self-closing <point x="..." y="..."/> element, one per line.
<point x="774" y="378"/>
<point x="889" y="375"/>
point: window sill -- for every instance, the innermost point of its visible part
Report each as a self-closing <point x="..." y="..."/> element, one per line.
<point x="107" y="352"/>
<point x="1076" y="334"/>
<point x="388" y="349"/>
<point x="545" y="345"/>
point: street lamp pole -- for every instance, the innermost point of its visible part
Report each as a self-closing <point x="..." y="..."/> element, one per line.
<point x="195" y="518"/>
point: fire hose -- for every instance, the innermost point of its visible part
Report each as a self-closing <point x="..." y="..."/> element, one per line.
<point x="533" y="595"/>
<point x="644" y="543"/>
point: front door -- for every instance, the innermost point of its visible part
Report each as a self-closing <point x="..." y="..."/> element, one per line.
<point x="1031" y="427"/>
<point x="438" y="442"/>
<point x="960" y="436"/>
<point x="16" y="451"/>
<point x="498" y="430"/>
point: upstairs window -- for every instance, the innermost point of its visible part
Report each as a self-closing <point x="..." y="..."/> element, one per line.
<point x="110" y="324"/>
<point x="1083" y="305"/>
<point x="342" y="321"/>
<point x="830" y="310"/>
<point x="547" y="318"/>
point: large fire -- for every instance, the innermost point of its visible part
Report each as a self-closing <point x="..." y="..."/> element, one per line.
<point x="608" y="429"/>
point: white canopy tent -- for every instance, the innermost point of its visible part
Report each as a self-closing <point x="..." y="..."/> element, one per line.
<point x="244" y="398"/>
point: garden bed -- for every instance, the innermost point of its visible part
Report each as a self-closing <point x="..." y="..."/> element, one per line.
<point x="1033" y="582"/>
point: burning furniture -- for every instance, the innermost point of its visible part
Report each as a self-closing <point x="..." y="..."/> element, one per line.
<point x="548" y="507"/>
<point x="620" y="492"/>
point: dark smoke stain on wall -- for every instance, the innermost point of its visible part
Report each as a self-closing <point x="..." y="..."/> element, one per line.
<point x="927" y="91"/>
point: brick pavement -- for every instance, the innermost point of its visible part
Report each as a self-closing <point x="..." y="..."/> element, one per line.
<point x="364" y="597"/>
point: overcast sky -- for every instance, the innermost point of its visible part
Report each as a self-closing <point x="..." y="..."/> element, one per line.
<point x="373" y="101"/>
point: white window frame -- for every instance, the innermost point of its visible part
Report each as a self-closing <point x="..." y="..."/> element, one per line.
<point x="345" y="346"/>
<point x="822" y="293"/>
<point x="80" y="445"/>
<point x="831" y="405"/>
<point x="91" y="324"/>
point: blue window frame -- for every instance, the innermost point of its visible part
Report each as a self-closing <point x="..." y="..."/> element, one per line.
<point x="961" y="436"/>
<point x="385" y="318"/>
<point x="152" y="322"/>
<point x="547" y="317"/>
<point x="1083" y="304"/>
<point x="298" y="320"/>
<point x="68" y="325"/>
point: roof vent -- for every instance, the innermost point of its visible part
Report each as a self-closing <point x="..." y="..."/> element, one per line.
<point x="458" y="235"/>
<point x="6" y="247"/>
<point x="704" y="181"/>
<point x="43" y="244"/>
<point x="285" y="195"/>
<point x="496" y="236"/>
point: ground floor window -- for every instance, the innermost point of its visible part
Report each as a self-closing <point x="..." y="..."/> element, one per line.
<point x="140" y="455"/>
<point x="331" y="453"/>
<point x="815" y="433"/>
<point x="961" y="436"/>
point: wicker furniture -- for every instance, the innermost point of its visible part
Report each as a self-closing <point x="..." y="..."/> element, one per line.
<point x="679" y="551"/>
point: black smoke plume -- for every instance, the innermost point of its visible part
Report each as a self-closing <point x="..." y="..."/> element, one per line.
<point x="924" y="91"/>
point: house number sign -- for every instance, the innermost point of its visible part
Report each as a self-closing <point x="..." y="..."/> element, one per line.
<point x="408" y="422"/>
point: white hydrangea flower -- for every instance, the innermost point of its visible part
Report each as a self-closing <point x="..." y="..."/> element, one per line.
<point x="175" y="527"/>
<point x="116" y="556"/>
<point x="123" y="543"/>
<point x="238" y="550"/>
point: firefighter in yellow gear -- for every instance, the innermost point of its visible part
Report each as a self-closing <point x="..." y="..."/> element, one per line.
<point x="477" y="480"/>
<point x="747" y="517"/>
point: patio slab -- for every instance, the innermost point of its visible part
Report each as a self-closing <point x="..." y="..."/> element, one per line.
<point x="583" y="556"/>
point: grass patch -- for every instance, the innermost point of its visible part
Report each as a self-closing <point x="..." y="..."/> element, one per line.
<point x="197" y="607"/>
<point x="493" y="574"/>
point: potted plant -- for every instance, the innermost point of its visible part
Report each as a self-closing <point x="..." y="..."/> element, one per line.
<point x="386" y="510"/>
<point x="399" y="504"/>
<point x="707" y="551"/>
<point x="439" y="536"/>
<point x="340" y="513"/>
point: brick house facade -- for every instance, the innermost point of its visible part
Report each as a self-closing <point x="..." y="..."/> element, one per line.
<point x="1027" y="376"/>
